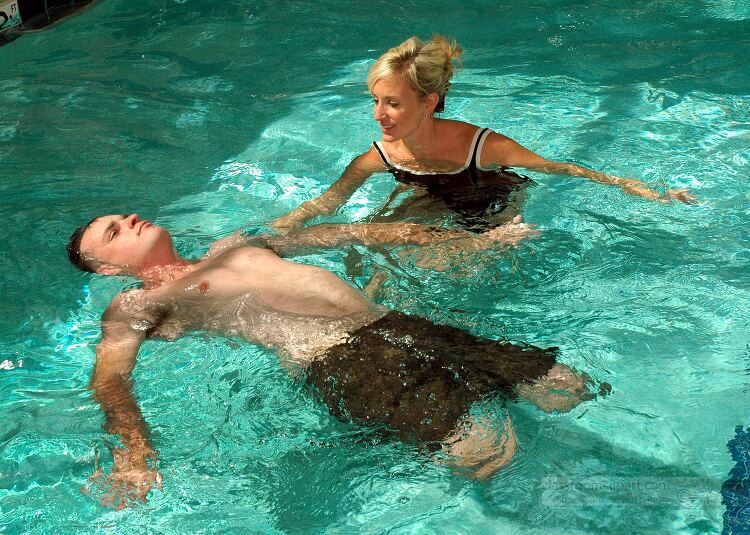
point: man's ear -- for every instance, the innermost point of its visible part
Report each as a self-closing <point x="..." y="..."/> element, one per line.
<point x="107" y="269"/>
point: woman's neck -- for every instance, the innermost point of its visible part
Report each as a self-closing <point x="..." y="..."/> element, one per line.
<point x="422" y="143"/>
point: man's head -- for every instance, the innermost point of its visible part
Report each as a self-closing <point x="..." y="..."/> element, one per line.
<point x="119" y="244"/>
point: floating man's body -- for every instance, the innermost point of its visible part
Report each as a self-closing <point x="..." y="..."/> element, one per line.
<point x="370" y="364"/>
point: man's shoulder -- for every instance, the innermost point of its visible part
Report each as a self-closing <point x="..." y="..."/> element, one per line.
<point x="132" y="304"/>
<point x="129" y="316"/>
<point x="235" y="241"/>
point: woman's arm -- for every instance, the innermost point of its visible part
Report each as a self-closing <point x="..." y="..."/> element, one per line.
<point x="334" y="197"/>
<point x="355" y="174"/>
<point x="503" y="151"/>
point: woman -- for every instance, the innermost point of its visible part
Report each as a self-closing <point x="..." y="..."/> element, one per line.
<point x="458" y="167"/>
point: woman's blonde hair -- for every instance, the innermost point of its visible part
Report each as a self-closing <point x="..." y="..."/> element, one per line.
<point x="428" y="66"/>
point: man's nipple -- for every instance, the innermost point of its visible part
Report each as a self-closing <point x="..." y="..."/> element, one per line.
<point x="202" y="287"/>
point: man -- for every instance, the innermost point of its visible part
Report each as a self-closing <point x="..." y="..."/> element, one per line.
<point x="370" y="364"/>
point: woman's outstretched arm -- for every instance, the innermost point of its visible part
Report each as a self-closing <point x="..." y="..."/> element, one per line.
<point x="503" y="151"/>
<point x="334" y="197"/>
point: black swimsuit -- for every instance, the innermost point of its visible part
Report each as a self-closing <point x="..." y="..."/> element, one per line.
<point x="475" y="194"/>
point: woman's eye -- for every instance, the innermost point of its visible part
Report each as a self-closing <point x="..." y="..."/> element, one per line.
<point x="393" y="104"/>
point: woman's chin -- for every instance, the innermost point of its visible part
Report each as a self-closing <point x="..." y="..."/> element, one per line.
<point x="387" y="136"/>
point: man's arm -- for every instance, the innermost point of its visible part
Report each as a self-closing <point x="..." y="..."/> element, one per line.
<point x="134" y="470"/>
<point x="501" y="150"/>
<point x="327" y="236"/>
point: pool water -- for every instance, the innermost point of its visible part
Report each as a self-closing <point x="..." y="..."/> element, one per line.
<point x="207" y="116"/>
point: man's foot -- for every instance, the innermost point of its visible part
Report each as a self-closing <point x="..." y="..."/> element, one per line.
<point x="561" y="389"/>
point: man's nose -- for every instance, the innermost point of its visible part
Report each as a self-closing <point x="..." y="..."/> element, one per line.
<point x="131" y="220"/>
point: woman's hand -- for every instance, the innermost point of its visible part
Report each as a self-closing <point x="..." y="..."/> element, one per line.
<point x="636" y="187"/>
<point x="682" y="195"/>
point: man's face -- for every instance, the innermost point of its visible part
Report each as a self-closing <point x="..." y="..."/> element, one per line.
<point x="118" y="240"/>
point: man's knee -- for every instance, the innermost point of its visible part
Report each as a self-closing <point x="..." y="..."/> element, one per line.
<point x="481" y="446"/>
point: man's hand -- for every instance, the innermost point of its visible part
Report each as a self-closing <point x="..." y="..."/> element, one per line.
<point x="129" y="482"/>
<point x="513" y="232"/>
<point x="449" y="254"/>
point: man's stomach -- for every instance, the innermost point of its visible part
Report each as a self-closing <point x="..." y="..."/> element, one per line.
<point x="300" y="337"/>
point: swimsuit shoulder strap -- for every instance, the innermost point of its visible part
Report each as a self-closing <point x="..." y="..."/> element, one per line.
<point x="478" y="144"/>
<point x="383" y="155"/>
<point x="476" y="151"/>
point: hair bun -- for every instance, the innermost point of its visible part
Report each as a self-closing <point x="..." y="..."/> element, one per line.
<point x="450" y="47"/>
<point x="428" y="66"/>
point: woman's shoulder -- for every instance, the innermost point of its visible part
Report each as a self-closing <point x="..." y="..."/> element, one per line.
<point x="458" y="134"/>
<point x="456" y="126"/>
<point x="458" y="130"/>
<point x="368" y="162"/>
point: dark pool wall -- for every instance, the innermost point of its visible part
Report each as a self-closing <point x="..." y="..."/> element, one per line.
<point x="35" y="15"/>
<point x="735" y="489"/>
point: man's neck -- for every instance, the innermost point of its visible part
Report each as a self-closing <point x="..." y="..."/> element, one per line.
<point x="158" y="275"/>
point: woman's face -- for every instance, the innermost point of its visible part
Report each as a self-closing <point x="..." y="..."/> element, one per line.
<point x="398" y="108"/>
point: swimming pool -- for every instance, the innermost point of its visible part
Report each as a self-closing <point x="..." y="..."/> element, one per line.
<point x="180" y="111"/>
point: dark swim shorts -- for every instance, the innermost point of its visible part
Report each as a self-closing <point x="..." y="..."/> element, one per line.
<point x="418" y="378"/>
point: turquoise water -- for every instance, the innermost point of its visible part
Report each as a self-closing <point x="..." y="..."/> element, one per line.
<point x="206" y="116"/>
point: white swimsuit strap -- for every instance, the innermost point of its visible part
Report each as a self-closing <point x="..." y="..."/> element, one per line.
<point x="477" y="160"/>
<point x="385" y="154"/>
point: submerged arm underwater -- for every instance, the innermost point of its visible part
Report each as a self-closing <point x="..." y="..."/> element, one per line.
<point x="134" y="470"/>
<point x="397" y="234"/>
<point x="355" y="174"/>
<point x="329" y="236"/>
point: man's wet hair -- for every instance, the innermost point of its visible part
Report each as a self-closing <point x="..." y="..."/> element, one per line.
<point x="74" y="249"/>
